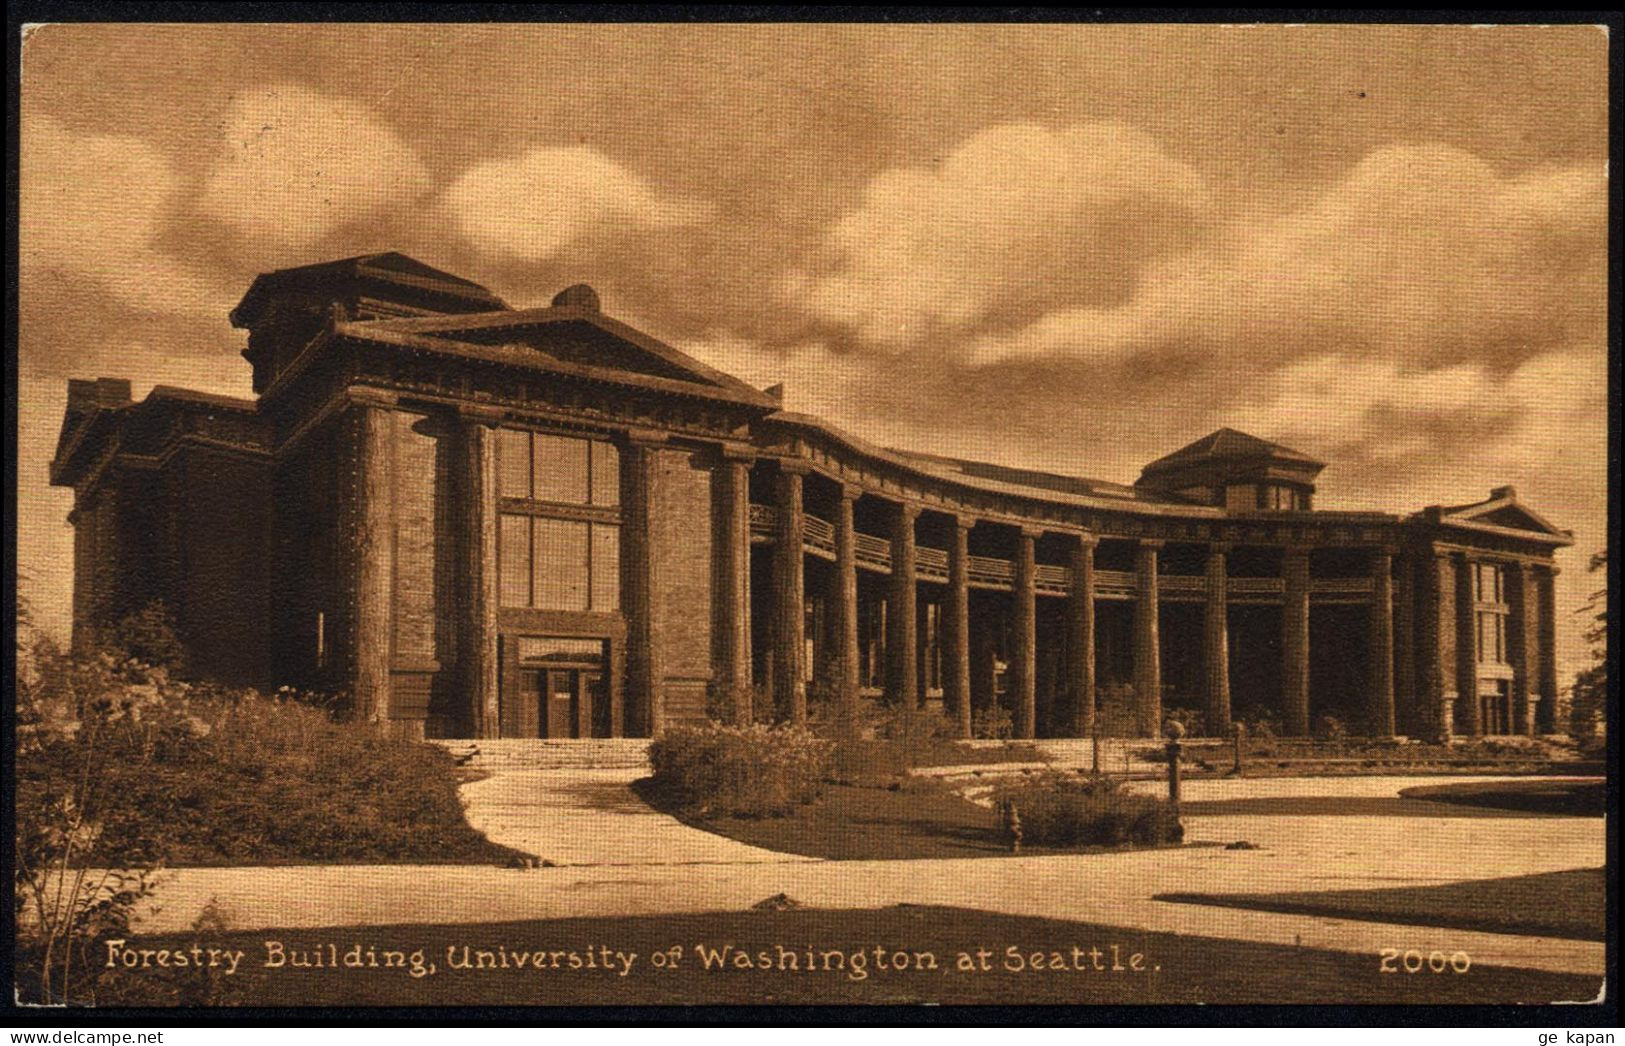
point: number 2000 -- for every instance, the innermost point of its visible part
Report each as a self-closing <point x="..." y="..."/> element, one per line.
<point x="1413" y="961"/>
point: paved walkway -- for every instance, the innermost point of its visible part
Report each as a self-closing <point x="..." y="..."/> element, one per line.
<point x="682" y="873"/>
<point x="592" y="817"/>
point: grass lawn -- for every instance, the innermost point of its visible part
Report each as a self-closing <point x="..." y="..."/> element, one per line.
<point x="1572" y="798"/>
<point x="850" y="822"/>
<point x="1173" y="969"/>
<point x="1344" y="806"/>
<point x="863" y="823"/>
<point x="1555" y="904"/>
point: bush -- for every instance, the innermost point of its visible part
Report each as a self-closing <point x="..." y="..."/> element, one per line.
<point x="1060" y="811"/>
<point x="752" y="771"/>
<point x="1116" y="713"/>
<point x="1194" y="720"/>
<point x="1330" y="728"/>
<point x="992" y="724"/>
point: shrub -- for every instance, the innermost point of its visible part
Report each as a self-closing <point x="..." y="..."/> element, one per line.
<point x="1330" y="728"/>
<point x="1194" y="720"/>
<point x="992" y="723"/>
<point x="1117" y="715"/>
<point x="751" y="771"/>
<point x="1060" y="811"/>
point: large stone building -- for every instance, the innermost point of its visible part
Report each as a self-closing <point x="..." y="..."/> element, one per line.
<point x="482" y="521"/>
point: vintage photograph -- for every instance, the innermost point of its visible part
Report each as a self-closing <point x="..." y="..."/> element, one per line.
<point x="586" y="514"/>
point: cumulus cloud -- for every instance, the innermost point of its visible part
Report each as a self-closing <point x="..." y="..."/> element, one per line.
<point x="1422" y="252"/>
<point x="93" y="205"/>
<point x="1404" y="434"/>
<point x="530" y="207"/>
<point x="294" y="164"/>
<point x="1014" y="218"/>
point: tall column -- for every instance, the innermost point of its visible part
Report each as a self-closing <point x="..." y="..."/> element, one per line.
<point x="1405" y="627"/>
<point x="844" y="599"/>
<point x="1080" y="668"/>
<point x="789" y="596"/>
<point x="479" y="578"/>
<point x="1518" y="643"/>
<point x="984" y="668"/>
<point x="372" y="537"/>
<point x="1546" y="718"/>
<point x="1024" y="655"/>
<point x="1147" y="646"/>
<point x="1435" y="578"/>
<point x="902" y="629"/>
<point x="733" y="585"/>
<point x="645" y="676"/>
<point x="1216" y="642"/>
<point x="1467" y="649"/>
<point x="1295" y="639"/>
<point x="1380" y="684"/>
<point x="956" y="629"/>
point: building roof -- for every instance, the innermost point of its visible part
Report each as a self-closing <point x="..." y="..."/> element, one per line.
<point x="1501" y="513"/>
<point x="1229" y="444"/>
<point x="389" y="267"/>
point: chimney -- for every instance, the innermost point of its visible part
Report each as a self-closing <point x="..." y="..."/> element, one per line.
<point x="1509" y="493"/>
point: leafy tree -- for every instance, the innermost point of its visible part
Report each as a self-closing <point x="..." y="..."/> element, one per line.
<point x="1589" y="694"/>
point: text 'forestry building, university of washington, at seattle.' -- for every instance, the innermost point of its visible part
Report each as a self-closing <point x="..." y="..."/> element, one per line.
<point x="481" y="522"/>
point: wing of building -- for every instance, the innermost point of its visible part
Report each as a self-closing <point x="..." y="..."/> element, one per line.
<point x="483" y="521"/>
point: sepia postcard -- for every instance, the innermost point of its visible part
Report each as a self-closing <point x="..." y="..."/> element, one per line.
<point x="583" y="514"/>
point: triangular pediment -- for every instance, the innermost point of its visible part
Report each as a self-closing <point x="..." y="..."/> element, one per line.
<point x="1504" y="512"/>
<point x="572" y="337"/>
<point x="1512" y="516"/>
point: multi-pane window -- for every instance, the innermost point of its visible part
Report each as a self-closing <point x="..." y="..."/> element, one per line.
<point x="558" y="546"/>
<point x="562" y="470"/>
<point x="1492" y="637"/>
<point x="1491" y="614"/>
<point x="1278" y="498"/>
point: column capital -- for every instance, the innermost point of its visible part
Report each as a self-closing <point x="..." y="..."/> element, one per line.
<point x="369" y="396"/>
<point x="963" y="520"/>
<point x="640" y="437"/>
<point x="908" y="510"/>
<point x="1149" y="544"/>
<point x="850" y="491"/>
<point x="481" y="414"/>
<point x="1220" y="548"/>
<point x="737" y="453"/>
<point x="1029" y="531"/>
<point x="795" y="466"/>
<point x="1088" y="540"/>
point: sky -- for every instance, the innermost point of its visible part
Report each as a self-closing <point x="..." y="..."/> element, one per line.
<point x="1065" y="247"/>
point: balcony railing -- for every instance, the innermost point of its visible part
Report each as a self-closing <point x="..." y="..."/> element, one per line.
<point x="990" y="572"/>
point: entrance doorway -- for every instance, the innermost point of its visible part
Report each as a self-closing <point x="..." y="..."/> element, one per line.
<point x="1495" y="706"/>
<point x="554" y="687"/>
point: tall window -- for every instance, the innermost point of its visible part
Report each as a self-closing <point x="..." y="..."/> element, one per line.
<point x="560" y="536"/>
<point x="1489" y="594"/>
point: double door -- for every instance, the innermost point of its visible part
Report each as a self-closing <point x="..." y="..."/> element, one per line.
<point x="565" y="700"/>
<point x="554" y="687"/>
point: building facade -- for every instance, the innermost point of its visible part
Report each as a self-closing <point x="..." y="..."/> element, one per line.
<point x="479" y="521"/>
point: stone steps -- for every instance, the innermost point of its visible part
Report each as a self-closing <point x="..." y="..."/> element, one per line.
<point x="524" y="753"/>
